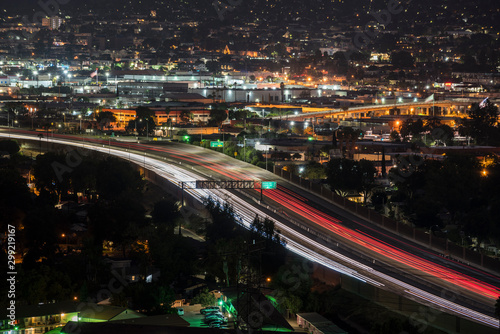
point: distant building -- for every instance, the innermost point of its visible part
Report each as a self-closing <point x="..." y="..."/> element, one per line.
<point x="53" y="22"/>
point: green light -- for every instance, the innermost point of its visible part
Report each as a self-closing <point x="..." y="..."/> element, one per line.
<point x="220" y="302"/>
<point x="216" y="144"/>
<point x="186" y="138"/>
<point x="310" y="138"/>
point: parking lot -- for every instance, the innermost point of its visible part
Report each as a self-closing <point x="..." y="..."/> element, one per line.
<point x="195" y="319"/>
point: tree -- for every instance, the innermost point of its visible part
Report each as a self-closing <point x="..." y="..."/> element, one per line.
<point x="51" y="173"/>
<point x="344" y="175"/>
<point x="105" y="118"/>
<point x="205" y="298"/>
<point x="143" y="112"/>
<point x="402" y="59"/>
<point x="432" y="123"/>
<point x="265" y="228"/>
<point x="482" y="124"/>
<point x="218" y="114"/>
<point x="186" y="116"/>
<point x="443" y="134"/>
<point x="349" y="135"/>
<point x="394" y="136"/>
<point x="314" y="171"/>
<point x="166" y="213"/>
<point x="152" y="297"/>
<point x="9" y="146"/>
<point x="238" y="114"/>
<point x="439" y="133"/>
<point x="223" y="221"/>
<point x="367" y="171"/>
<point x="340" y="176"/>
<point x="412" y="128"/>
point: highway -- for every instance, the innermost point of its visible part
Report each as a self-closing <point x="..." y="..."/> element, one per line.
<point x="316" y="229"/>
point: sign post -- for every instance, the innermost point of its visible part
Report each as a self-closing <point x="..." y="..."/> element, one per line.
<point x="216" y="144"/>
<point x="267" y="185"/>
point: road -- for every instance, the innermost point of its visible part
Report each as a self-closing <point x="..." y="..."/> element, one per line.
<point x="322" y="232"/>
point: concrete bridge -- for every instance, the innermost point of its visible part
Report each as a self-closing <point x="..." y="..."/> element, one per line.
<point x="436" y="108"/>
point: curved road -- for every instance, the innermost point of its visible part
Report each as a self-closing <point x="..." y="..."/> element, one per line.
<point x="319" y="230"/>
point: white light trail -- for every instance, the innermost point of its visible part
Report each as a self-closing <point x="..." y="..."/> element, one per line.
<point x="246" y="213"/>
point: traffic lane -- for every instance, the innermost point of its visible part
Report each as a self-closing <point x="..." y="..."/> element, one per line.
<point x="197" y="160"/>
<point x="395" y="269"/>
<point x="348" y="222"/>
<point x="356" y="223"/>
<point x="406" y="258"/>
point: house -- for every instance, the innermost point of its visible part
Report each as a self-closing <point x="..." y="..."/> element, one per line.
<point x="317" y="324"/>
<point x="45" y="317"/>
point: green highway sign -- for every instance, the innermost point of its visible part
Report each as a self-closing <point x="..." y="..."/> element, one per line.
<point x="216" y="144"/>
<point x="269" y="185"/>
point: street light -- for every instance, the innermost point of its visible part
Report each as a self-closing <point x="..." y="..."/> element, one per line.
<point x="147" y="128"/>
<point x="268" y="148"/>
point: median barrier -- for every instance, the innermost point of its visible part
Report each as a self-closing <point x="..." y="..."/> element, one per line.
<point x="491" y="263"/>
<point x="472" y="257"/>
<point x="455" y="251"/>
<point x="406" y="230"/>
<point x="438" y="243"/>
<point x="421" y="236"/>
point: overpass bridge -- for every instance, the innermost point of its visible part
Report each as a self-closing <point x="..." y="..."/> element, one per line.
<point x="436" y="108"/>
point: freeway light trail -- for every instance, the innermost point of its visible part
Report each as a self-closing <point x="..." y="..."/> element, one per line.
<point x="384" y="249"/>
<point x="246" y="213"/>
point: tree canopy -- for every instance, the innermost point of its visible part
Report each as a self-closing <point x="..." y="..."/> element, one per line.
<point x="344" y="175"/>
<point x="482" y="124"/>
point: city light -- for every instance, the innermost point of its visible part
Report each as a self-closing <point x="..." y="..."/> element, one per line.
<point x="237" y="85"/>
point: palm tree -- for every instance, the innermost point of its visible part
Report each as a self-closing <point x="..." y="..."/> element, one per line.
<point x="186" y="116"/>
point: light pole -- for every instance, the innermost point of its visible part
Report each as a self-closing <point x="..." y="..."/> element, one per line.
<point x="36" y="73"/>
<point x="147" y="127"/>
<point x="244" y="148"/>
<point x="266" y="156"/>
<point x="80" y="117"/>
